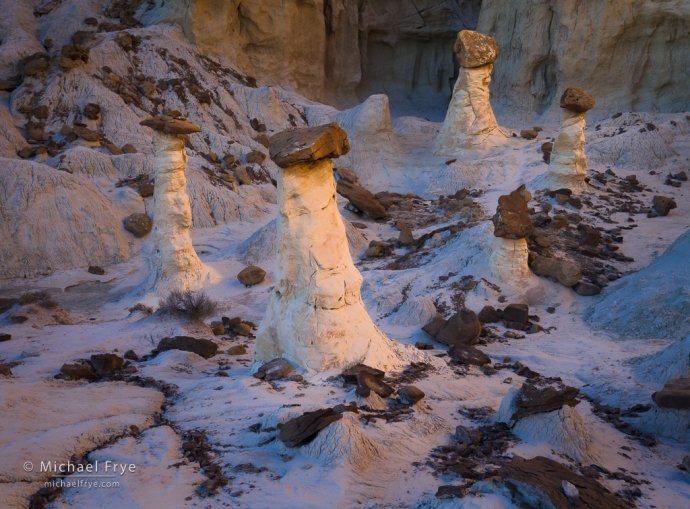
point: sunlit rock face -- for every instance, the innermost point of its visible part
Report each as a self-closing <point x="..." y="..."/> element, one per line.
<point x="338" y="51"/>
<point x="627" y="55"/>
<point x="315" y="315"/>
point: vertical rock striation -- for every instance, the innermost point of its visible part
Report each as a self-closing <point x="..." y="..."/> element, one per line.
<point x="176" y="265"/>
<point x="315" y="315"/>
<point x="470" y="121"/>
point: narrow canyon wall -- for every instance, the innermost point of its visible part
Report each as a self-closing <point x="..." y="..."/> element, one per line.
<point x="631" y="55"/>
<point x="337" y="51"/>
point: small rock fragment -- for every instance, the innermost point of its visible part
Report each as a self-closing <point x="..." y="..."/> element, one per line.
<point x="410" y="395"/>
<point x="274" y="370"/>
<point x="139" y="225"/>
<point x="251" y="275"/>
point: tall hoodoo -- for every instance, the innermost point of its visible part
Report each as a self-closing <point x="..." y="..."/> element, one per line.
<point x="470" y="121"/>
<point x="568" y="165"/>
<point x="176" y="265"/>
<point x="315" y="315"/>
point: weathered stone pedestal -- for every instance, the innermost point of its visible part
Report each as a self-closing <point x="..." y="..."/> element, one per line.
<point x="568" y="164"/>
<point x="176" y="265"/>
<point x="315" y="315"/>
<point x="508" y="252"/>
<point x="470" y="121"/>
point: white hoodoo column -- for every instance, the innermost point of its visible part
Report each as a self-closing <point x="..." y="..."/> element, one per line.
<point x="176" y="265"/>
<point x="315" y="315"/>
<point x="568" y="165"/>
<point x="470" y="121"/>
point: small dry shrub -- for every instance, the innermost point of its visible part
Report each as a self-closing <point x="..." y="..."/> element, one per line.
<point x="41" y="297"/>
<point x="141" y="308"/>
<point x="196" y="306"/>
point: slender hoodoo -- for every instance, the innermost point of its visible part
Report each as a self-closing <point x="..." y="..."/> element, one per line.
<point x="315" y="315"/>
<point x="176" y="265"/>
<point x="470" y="121"/>
<point x="568" y="164"/>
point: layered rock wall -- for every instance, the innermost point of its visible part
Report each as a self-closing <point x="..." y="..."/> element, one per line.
<point x="631" y="55"/>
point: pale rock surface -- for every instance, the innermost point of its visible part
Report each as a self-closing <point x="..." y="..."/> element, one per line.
<point x="562" y="429"/>
<point x="568" y="166"/>
<point x="653" y="302"/>
<point x="54" y="221"/>
<point x="52" y="434"/>
<point x="415" y="311"/>
<point x="508" y="259"/>
<point x="315" y="315"/>
<point x="261" y="246"/>
<point x="668" y="363"/>
<point x="11" y="140"/>
<point x="176" y="265"/>
<point x="470" y="121"/>
<point x="627" y="54"/>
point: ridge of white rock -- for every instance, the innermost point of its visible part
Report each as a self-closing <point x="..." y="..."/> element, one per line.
<point x="666" y="364"/>
<point x="470" y="121"/>
<point x="568" y="166"/>
<point x="315" y="315"/>
<point x="176" y="265"/>
<point x="52" y="220"/>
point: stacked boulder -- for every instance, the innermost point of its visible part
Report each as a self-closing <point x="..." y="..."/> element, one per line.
<point x="509" y="253"/>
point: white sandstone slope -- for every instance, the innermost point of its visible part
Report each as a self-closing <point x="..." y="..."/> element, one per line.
<point x="176" y="265"/>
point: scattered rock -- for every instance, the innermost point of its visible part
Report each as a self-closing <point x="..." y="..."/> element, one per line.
<point x="586" y="289"/>
<point x="350" y="374"/>
<point x="529" y="134"/>
<point x="5" y="337"/>
<point x="546" y="150"/>
<point x="512" y="218"/>
<point x="675" y="394"/>
<point x="95" y="269"/>
<point x="434" y="327"/>
<point x="539" y="482"/>
<point x="663" y="205"/>
<point x="217" y="328"/>
<point x="146" y="190"/>
<point x="92" y="111"/>
<point x="85" y="133"/>
<point x="139" y="225"/>
<point x="517" y="313"/>
<point x="475" y="49"/>
<point x="242" y="176"/>
<point x="113" y="149"/>
<point x="5" y="370"/>
<point x="242" y="329"/>
<point x="128" y="148"/>
<point x="538" y="395"/>
<point x="463" y="328"/>
<point x="104" y="363"/>
<point x="26" y="152"/>
<point x="18" y="319"/>
<point x="405" y="238"/>
<point x="251" y="275"/>
<point x="274" y="370"/>
<point x="78" y="372"/>
<point x="489" y="314"/>
<point x="366" y="383"/>
<point x="421" y="345"/>
<point x="300" y="429"/>
<point x="7" y="85"/>
<point x="347" y="174"/>
<point x="588" y="236"/>
<point x="449" y="491"/>
<point x="576" y="100"/>
<point x="468" y="436"/>
<point x="565" y="272"/>
<point x="464" y="354"/>
<point x="409" y="395"/>
<point x="237" y="350"/>
<point x="203" y="347"/>
<point x="361" y="199"/>
<point x="131" y="355"/>
<point x="256" y="157"/>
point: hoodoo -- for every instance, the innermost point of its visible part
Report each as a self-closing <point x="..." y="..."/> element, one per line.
<point x="176" y="265"/>
<point x="315" y="314"/>
<point x="470" y="121"/>
<point x="568" y="165"/>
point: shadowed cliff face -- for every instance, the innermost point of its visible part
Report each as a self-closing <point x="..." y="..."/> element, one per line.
<point x="337" y="51"/>
<point x="631" y="55"/>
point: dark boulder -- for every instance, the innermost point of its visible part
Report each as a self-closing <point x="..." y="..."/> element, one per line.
<point x="203" y="347"/>
<point x="463" y="328"/>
